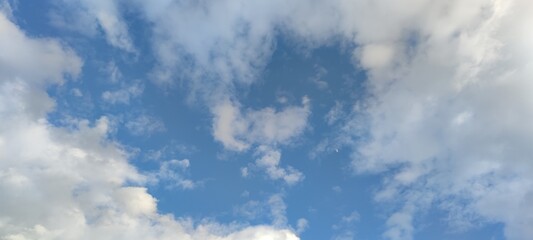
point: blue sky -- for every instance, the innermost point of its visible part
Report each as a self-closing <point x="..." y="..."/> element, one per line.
<point x="266" y="120"/>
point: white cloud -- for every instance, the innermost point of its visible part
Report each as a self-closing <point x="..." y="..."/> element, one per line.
<point x="76" y="92"/>
<point x="6" y="9"/>
<point x="145" y="125"/>
<point x="273" y="208"/>
<point x="400" y="226"/>
<point x="375" y="56"/>
<point x="114" y="72"/>
<point x="318" y="80"/>
<point x="269" y="161"/>
<point x="301" y="225"/>
<point x="266" y="127"/>
<point x="334" y="114"/>
<point x="172" y="172"/>
<point x="452" y="113"/>
<point x="237" y="130"/>
<point x="278" y="210"/>
<point x="428" y="62"/>
<point x="251" y="210"/>
<point x="75" y="183"/>
<point x="345" y="227"/>
<point x="123" y="95"/>
<point x="90" y="17"/>
<point x="337" y="189"/>
<point x="245" y="172"/>
<point x="32" y="59"/>
<point x="228" y="124"/>
<point x="226" y="40"/>
<point x="169" y="151"/>
<point x="353" y="217"/>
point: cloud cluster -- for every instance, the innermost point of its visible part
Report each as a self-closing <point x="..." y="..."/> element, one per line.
<point x="237" y="131"/>
<point x="269" y="162"/>
<point x="171" y="171"/>
<point x="73" y="182"/>
<point x="450" y="111"/>
<point x="266" y="128"/>
<point x="450" y="118"/>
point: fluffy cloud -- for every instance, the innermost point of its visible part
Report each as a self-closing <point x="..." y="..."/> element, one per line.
<point x="37" y="62"/>
<point x="269" y="162"/>
<point x="301" y="225"/>
<point x="215" y="41"/>
<point x="237" y="131"/>
<point x="267" y="128"/>
<point x="450" y="118"/>
<point x="172" y="171"/>
<point x="74" y="183"/>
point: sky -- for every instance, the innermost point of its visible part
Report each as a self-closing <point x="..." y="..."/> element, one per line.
<point x="266" y="120"/>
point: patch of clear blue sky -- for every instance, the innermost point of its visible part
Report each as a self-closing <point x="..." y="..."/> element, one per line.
<point x="289" y="73"/>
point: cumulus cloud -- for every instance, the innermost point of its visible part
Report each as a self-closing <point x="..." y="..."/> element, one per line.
<point x="266" y="128"/>
<point x="269" y="161"/>
<point x="74" y="183"/>
<point x="35" y="61"/>
<point x="237" y="130"/>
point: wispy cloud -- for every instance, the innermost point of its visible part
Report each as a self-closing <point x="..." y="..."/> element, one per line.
<point x="145" y="125"/>
<point x="123" y="95"/>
